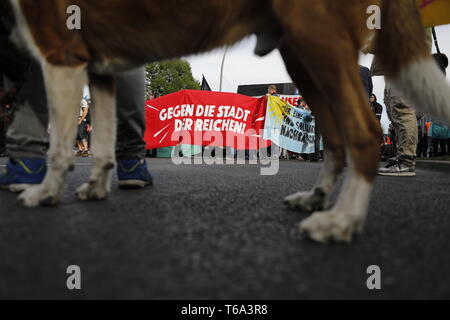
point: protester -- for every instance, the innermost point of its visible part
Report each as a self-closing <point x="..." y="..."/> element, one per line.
<point x="317" y="155"/>
<point x="387" y="149"/>
<point x="448" y="143"/>
<point x="2" y="118"/>
<point x="377" y="108"/>
<point x="303" y="105"/>
<point x="422" y="146"/>
<point x="272" y="90"/>
<point x="404" y="120"/>
<point x="82" y="136"/>
<point x="366" y="78"/>
<point x="439" y="134"/>
<point x="27" y="136"/>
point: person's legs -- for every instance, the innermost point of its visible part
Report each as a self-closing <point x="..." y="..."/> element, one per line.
<point x="425" y="147"/>
<point x="82" y="139"/>
<point x="80" y="146"/>
<point x="130" y="152"/>
<point x="28" y="141"/>
<point x="407" y="133"/>
<point x="387" y="102"/>
<point x="435" y="147"/>
<point x="27" y="138"/>
<point x="316" y="156"/>
<point x="130" y="113"/>
<point x="430" y="147"/>
<point x="2" y="137"/>
<point x="443" y="144"/>
<point x="404" y="120"/>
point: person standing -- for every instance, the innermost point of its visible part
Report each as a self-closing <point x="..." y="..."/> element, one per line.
<point x="404" y="121"/>
<point x="272" y="90"/>
<point x="2" y="118"/>
<point x="403" y="117"/>
<point x="439" y="134"/>
<point x="366" y="78"/>
<point x="377" y="108"/>
<point x="82" y="136"/>
<point x="316" y="156"/>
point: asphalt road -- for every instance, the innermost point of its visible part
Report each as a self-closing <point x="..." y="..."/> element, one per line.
<point x="222" y="232"/>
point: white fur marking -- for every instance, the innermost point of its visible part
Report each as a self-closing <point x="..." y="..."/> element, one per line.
<point x="64" y="91"/>
<point x="22" y="34"/>
<point x="424" y="84"/>
<point x="309" y="201"/>
<point x="347" y="216"/>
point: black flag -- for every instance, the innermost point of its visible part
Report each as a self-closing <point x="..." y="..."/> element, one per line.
<point x="205" y="85"/>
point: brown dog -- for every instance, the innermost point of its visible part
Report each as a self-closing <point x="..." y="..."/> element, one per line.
<point x="319" y="40"/>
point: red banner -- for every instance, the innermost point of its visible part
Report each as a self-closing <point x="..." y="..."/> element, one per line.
<point x="205" y="118"/>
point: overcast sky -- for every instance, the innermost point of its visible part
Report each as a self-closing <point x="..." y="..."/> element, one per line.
<point x="243" y="67"/>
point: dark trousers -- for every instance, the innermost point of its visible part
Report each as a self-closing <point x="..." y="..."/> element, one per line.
<point x="2" y="137"/>
<point x="316" y="155"/>
<point x="442" y="144"/>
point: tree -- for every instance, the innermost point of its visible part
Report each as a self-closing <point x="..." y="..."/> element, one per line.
<point x="169" y="77"/>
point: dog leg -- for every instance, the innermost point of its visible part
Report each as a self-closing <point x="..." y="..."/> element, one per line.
<point x="316" y="199"/>
<point x="333" y="68"/>
<point x="103" y="139"/>
<point x="362" y="135"/>
<point x="348" y="215"/>
<point x="64" y="91"/>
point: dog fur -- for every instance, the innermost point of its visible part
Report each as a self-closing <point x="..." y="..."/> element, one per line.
<point x="320" y="43"/>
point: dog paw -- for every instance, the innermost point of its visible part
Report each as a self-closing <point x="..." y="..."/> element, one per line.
<point x="311" y="201"/>
<point x="330" y="226"/>
<point x="92" y="191"/>
<point x="39" y="195"/>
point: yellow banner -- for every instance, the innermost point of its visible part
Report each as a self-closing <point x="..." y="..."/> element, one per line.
<point x="434" y="12"/>
<point x="277" y="108"/>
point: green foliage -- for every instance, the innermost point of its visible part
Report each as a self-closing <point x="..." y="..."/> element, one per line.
<point x="169" y="77"/>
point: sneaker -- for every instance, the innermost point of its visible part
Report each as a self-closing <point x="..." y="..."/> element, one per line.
<point x="133" y="174"/>
<point x="22" y="173"/>
<point x="397" y="168"/>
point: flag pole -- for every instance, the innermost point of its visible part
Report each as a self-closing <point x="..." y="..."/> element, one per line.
<point x="222" y="67"/>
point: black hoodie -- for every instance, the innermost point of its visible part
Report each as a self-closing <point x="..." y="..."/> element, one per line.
<point x="377" y="108"/>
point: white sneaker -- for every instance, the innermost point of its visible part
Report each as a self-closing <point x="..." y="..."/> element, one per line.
<point x="397" y="168"/>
